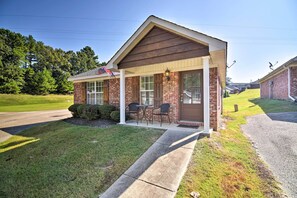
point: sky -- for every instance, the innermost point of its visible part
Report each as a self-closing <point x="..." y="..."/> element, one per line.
<point x="257" y="32"/>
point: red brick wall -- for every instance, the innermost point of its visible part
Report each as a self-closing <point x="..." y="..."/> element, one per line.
<point x="171" y="94"/>
<point x="264" y="89"/>
<point x="80" y="93"/>
<point x="279" y="89"/>
<point x="129" y="89"/>
<point x="114" y="91"/>
<point x="215" y="108"/>
<point x="293" y="81"/>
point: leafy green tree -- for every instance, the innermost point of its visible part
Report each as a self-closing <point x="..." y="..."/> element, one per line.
<point x="29" y="81"/>
<point x="12" y="52"/>
<point x="63" y="85"/>
<point x="43" y="83"/>
<point x="30" y="66"/>
<point x="86" y="60"/>
<point x="30" y="56"/>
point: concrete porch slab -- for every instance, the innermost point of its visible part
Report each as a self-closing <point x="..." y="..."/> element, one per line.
<point x="166" y="125"/>
<point x="158" y="172"/>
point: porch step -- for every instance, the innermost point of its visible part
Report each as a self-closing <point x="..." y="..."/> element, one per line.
<point x="189" y="123"/>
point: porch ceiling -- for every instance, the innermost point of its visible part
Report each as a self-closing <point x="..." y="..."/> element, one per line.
<point x="217" y="59"/>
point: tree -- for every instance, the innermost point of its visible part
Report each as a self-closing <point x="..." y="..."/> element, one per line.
<point x="12" y="51"/>
<point x="29" y="81"/>
<point x="86" y="60"/>
<point x="30" y="66"/>
<point x="30" y="56"/>
<point x="63" y="85"/>
<point x="43" y="83"/>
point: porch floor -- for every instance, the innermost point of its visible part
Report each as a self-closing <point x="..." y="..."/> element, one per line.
<point x="165" y="125"/>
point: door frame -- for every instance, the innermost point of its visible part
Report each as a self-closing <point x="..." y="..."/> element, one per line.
<point x="202" y="94"/>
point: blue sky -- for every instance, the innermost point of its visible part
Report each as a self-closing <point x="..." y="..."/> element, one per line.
<point x="257" y="32"/>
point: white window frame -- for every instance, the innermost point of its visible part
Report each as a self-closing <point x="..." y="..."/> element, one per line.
<point x="95" y="92"/>
<point x="146" y="90"/>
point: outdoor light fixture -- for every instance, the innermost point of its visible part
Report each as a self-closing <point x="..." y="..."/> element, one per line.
<point x="167" y="74"/>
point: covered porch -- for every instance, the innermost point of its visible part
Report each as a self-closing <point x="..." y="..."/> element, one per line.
<point x="169" y="89"/>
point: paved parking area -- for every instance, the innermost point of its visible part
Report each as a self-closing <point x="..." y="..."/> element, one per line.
<point x="275" y="137"/>
<point x="14" y="122"/>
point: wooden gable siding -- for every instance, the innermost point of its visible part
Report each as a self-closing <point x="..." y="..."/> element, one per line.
<point x="160" y="46"/>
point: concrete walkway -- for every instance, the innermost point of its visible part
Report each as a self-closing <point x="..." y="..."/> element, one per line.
<point x="14" y="122"/>
<point x="158" y="172"/>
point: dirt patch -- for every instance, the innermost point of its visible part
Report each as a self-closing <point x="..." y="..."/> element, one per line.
<point x="102" y="123"/>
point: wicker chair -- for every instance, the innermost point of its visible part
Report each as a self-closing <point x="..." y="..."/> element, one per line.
<point x="133" y="108"/>
<point x="163" y="111"/>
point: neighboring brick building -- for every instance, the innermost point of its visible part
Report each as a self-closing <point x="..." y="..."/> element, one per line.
<point x="193" y="83"/>
<point x="281" y="83"/>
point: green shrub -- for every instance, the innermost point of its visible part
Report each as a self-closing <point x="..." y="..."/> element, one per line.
<point x="81" y="110"/>
<point x="73" y="109"/>
<point x="89" y="112"/>
<point x="92" y="112"/>
<point x="105" y="111"/>
<point x="226" y="94"/>
<point x="115" y="115"/>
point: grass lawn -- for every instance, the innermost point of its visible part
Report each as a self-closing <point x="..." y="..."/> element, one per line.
<point x="226" y="165"/>
<point x="64" y="160"/>
<point x="24" y="102"/>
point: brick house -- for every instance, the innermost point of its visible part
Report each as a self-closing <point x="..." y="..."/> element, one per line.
<point x="195" y="62"/>
<point x="281" y="83"/>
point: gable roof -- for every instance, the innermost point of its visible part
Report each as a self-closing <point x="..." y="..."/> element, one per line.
<point x="159" y="46"/>
<point x="213" y="43"/>
<point x="152" y="21"/>
<point x="280" y="69"/>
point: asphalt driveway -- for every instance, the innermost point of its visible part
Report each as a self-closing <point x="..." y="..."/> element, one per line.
<point x="14" y="122"/>
<point x="275" y="137"/>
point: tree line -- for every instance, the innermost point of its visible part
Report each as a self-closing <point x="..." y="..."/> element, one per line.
<point x="31" y="67"/>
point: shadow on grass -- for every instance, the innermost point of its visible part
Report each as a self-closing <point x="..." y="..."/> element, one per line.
<point x="279" y="110"/>
<point x="17" y="129"/>
<point x="16" y="141"/>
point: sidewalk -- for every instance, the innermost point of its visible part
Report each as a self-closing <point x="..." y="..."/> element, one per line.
<point x="158" y="172"/>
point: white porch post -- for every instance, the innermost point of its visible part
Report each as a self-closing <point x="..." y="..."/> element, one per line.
<point x="122" y="97"/>
<point x="206" y="94"/>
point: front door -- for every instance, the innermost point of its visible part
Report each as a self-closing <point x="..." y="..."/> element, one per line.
<point x="191" y="96"/>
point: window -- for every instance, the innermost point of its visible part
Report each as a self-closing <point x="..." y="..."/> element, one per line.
<point x="192" y="88"/>
<point x="95" y="92"/>
<point x="147" y="90"/>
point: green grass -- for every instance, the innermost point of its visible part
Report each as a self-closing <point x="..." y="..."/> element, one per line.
<point x="226" y="165"/>
<point x="64" y="160"/>
<point x="23" y="102"/>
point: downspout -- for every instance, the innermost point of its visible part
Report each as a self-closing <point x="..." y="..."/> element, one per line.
<point x="289" y="84"/>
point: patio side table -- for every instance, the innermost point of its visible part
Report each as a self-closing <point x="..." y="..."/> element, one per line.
<point x="144" y="108"/>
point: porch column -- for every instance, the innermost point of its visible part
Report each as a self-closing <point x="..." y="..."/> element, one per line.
<point x="122" y="97"/>
<point x="206" y="94"/>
